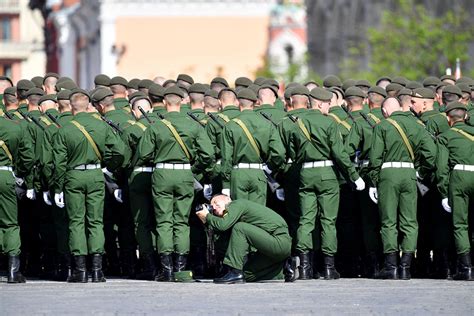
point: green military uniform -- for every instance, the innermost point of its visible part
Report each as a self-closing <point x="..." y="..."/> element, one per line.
<point x="392" y="171"/>
<point x="276" y="113"/>
<point x="122" y="104"/>
<point x="455" y="180"/>
<point x="358" y="144"/>
<point x="172" y="179"/>
<point x="257" y="232"/>
<point x="319" y="187"/>
<point x="16" y="153"/>
<point x="241" y="163"/>
<point x="78" y="174"/>
<point x="340" y="116"/>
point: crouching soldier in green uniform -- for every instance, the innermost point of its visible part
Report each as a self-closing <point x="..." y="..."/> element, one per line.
<point x="455" y="174"/>
<point x="81" y="146"/>
<point x="259" y="242"/>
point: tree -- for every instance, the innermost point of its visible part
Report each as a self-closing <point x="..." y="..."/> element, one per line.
<point x="411" y="41"/>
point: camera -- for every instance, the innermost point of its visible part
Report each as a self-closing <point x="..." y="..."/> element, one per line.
<point x="200" y="207"/>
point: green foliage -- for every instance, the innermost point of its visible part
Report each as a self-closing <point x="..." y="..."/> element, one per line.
<point x="412" y="42"/>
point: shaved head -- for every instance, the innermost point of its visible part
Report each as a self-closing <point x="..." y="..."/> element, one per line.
<point x="391" y="105"/>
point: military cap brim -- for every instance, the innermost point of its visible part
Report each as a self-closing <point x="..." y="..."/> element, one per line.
<point x="379" y="90"/>
<point x="321" y="94"/>
<point x="79" y="91"/>
<point x="247" y="94"/>
<point x="220" y="80"/>
<point x="63" y="94"/>
<point x="211" y="93"/>
<point x="34" y="91"/>
<point x="156" y="90"/>
<point x="197" y="88"/>
<point x="268" y="86"/>
<point x="243" y="82"/>
<point x="10" y="91"/>
<point x="299" y="90"/>
<point x="185" y="78"/>
<point x="174" y="90"/>
<point x="226" y="89"/>
<point x="118" y="80"/>
<point x="101" y="94"/>
<point x="455" y="105"/>
<point x="355" y="92"/>
<point x="48" y="97"/>
<point x="423" y="93"/>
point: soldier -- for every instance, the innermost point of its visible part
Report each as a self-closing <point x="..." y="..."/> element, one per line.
<point x="16" y="155"/>
<point x="242" y="82"/>
<point x="5" y="83"/>
<point x="155" y="93"/>
<point x="404" y="96"/>
<point x="102" y="80"/>
<point x="258" y="234"/>
<point x="22" y="88"/>
<point x="248" y="142"/>
<point x="11" y="103"/>
<point x="383" y="82"/>
<point x="218" y="83"/>
<point x="178" y="149"/>
<point x="396" y="143"/>
<point x="196" y="98"/>
<point x="267" y="96"/>
<point x="456" y="182"/>
<point x="211" y="102"/>
<point x="49" y="82"/>
<point x="318" y="147"/>
<point x="450" y="94"/>
<point x="132" y="86"/>
<point x="80" y="147"/>
<point x="144" y="85"/>
<point x="118" y="86"/>
<point x="358" y="144"/>
<point x="139" y="186"/>
<point x="185" y="80"/>
<point x="376" y="95"/>
<point x="423" y="105"/>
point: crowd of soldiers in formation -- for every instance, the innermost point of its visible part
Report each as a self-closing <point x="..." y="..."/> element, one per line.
<point x="373" y="181"/>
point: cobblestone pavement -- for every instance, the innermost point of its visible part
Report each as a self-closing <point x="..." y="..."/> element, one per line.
<point x="348" y="296"/>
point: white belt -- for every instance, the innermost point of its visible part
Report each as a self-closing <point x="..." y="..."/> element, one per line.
<point x="174" y="166"/>
<point x="244" y="165"/>
<point x="464" y="167"/>
<point x="397" y="164"/>
<point x="5" y="168"/>
<point x="218" y="162"/>
<point x="143" y="169"/>
<point x="317" y="164"/>
<point x="87" y="167"/>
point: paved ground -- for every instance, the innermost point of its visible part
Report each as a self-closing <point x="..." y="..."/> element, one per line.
<point x="348" y="296"/>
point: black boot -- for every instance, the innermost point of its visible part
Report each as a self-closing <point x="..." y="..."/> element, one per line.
<point x="14" y="274"/>
<point x="371" y="266"/>
<point x="64" y="267"/>
<point x="232" y="277"/>
<point x="290" y="270"/>
<point x="149" y="267"/>
<point x="179" y="262"/>
<point x="305" y="268"/>
<point x="79" y="274"/>
<point x="464" y="269"/>
<point x="128" y="262"/>
<point x="389" y="271"/>
<point x="330" y="272"/>
<point x="405" y="263"/>
<point x="97" y="274"/>
<point x="166" y="269"/>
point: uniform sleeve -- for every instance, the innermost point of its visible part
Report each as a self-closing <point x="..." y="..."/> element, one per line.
<point x="46" y="156"/>
<point x="204" y="161"/>
<point x="376" y="154"/>
<point x="227" y="151"/>
<point x="339" y="154"/>
<point x="427" y="152"/>
<point x="277" y="152"/>
<point x="442" y="170"/>
<point x="225" y="222"/>
<point x="146" y="148"/>
<point x="60" y="161"/>
<point x="353" y="140"/>
<point x="26" y="156"/>
<point x="115" y="152"/>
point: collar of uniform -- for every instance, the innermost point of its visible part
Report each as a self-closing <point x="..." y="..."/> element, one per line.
<point x="53" y="112"/>
<point x="377" y="110"/>
<point x="357" y="112"/>
<point x="112" y="112"/>
<point x="174" y="114"/>
<point x="229" y="108"/>
<point x="67" y="113"/>
<point x="400" y="113"/>
<point x="246" y="111"/>
<point x="35" y="113"/>
<point x="194" y="111"/>
<point x="264" y="106"/>
<point x="296" y="111"/>
<point x="83" y="114"/>
<point x="459" y="124"/>
<point x="429" y="113"/>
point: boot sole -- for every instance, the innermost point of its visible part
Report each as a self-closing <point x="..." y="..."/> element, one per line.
<point x="231" y="282"/>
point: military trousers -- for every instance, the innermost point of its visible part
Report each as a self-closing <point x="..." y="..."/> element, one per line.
<point x="173" y="194"/>
<point x="84" y="192"/>
<point x="461" y="195"/>
<point x="9" y="229"/>
<point x="269" y="251"/>
<point x="397" y="194"/>
<point x="292" y="202"/>
<point x="141" y="204"/>
<point x="319" y="198"/>
<point x="61" y="224"/>
<point x="248" y="184"/>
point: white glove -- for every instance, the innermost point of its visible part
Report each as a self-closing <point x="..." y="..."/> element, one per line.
<point x="266" y="169"/>
<point x="107" y="172"/>
<point x="418" y="176"/>
<point x="47" y="198"/>
<point x="207" y="191"/>
<point x="59" y="199"/>
<point x="31" y="194"/>
<point x="445" y="203"/>
<point x="226" y="192"/>
<point x="360" y="184"/>
<point x="374" y="195"/>
<point x="280" y="194"/>
<point x="118" y="195"/>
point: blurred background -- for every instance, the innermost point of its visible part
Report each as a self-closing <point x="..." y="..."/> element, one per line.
<point x="289" y="40"/>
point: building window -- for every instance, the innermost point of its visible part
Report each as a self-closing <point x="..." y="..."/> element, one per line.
<point x="6" y="70"/>
<point x="5" y="28"/>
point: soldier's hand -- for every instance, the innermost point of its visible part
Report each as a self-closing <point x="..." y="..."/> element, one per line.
<point x="280" y="194"/>
<point x="59" y="199"/>
<point x="360" y="184"/>
<point x="203" y="214"/>
<point x="445" y="204"/>
<point x="47" y="198"/>
<point x="373" y="195"/>
<point x="226" y="192"/>
<point x="31" y="194"/>
<point x="118" y="195"/>
<point x="19" y="181"/>
<point x="207" y="191"/>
